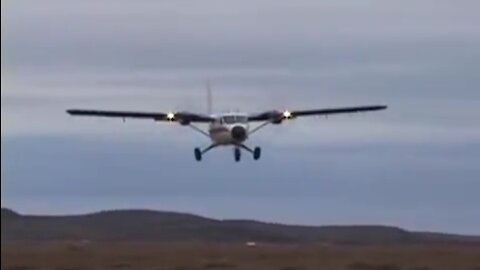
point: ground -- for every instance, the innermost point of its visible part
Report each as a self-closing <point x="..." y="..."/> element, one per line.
<point x="84" y="255"/>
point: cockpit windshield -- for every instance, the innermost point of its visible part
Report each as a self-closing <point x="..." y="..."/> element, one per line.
<point x="232" y="119"/>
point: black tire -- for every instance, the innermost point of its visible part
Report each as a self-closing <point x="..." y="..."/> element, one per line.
<point x="198" y="154"/>
<point x="238" y="154"/>
<point x="257" y="152"/>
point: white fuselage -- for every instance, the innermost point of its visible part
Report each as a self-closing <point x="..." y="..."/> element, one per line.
<point x="229" y="129"/>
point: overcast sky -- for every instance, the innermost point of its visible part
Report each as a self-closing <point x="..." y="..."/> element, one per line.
<point x="415" y="165"/>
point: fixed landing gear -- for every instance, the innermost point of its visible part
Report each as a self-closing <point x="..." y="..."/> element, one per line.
<point x="257" y="152"/>
<point x="198" y="154"/>
<point x="237" y="153"/>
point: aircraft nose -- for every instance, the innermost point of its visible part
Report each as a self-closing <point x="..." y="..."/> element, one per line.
<point x="239" y="133"/>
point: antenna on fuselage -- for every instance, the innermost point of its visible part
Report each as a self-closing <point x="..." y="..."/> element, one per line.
<point x="209" y="98"/>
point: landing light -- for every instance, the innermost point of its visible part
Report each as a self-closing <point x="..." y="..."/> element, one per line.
<point x="170" y="116"/>
<point x="287" y="114"/>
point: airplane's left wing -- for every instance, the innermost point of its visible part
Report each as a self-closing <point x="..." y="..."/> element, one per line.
<point x="278" y="116"/>
<point x="182" y="117"/>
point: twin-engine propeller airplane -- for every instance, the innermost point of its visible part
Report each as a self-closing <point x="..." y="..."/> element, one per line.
<point x="226" y="129"/>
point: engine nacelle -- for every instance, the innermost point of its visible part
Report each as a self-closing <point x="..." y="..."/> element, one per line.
<point x="277" y="121"/>
<point x="184" y="122"/>
<point x="276" y="117"/>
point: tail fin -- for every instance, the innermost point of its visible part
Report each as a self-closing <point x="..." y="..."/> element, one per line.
<point x="209" y="98"/>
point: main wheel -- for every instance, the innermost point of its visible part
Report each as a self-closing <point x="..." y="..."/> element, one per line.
<point x="257" y="152"/>
<point x="198" y="154"/>
<point x="237" y="153"/>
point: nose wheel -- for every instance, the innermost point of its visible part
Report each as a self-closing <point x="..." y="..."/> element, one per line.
<point x="237" y="154"/>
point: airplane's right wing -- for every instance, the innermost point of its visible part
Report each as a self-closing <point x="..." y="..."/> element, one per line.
<point x="182" y="117"/>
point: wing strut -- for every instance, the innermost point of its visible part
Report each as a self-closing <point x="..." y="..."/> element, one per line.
<point x="262" y="125"/>
<point x="199" y="130"/>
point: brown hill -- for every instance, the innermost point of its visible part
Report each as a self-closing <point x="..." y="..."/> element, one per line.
<point x="7" y="213"/>
<point x="155" y="226"/>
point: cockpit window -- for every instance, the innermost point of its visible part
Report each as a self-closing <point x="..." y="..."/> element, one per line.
<point x="242" y="119"/>
<point x="231" y="119"/>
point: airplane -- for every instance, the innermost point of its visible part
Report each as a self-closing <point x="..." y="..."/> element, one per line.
<point x="226" y="129"/>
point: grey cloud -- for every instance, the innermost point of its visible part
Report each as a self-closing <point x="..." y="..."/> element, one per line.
<point x="174" y="34"/>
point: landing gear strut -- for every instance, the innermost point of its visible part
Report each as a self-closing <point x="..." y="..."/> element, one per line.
<point x="199" y="153"/>
<point x="237" y="151"/>
<point x="256" y="152"/>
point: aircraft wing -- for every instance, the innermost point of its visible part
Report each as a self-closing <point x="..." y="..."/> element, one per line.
<point x="278" y="116"/>
<point x="183" y="117"/>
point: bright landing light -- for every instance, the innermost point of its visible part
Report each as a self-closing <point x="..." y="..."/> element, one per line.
<point x="170" y="116"/>
<point x="287" y="114"/>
